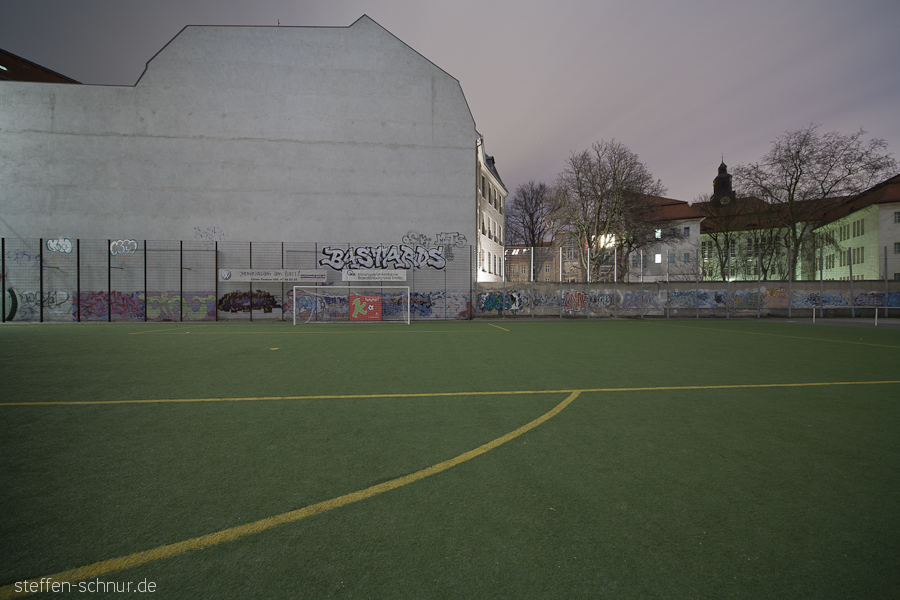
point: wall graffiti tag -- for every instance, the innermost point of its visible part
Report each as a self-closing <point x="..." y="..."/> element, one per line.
<point x="383" y="257"/>
<point x="123" y="247"/>
<point x="60" y="244"/>
<point x="246" y="301"/>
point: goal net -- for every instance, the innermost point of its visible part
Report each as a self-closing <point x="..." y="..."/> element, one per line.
<point x="350" y="304"/>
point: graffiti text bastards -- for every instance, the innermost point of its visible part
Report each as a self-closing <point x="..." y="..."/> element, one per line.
<point x="383" y="257"/>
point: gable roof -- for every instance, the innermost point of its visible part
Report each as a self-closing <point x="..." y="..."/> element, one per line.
<point x="667" y="209"/>
<point x="886" y="192"/>
<point x="16" y="68"/>
<point x="750" y="212"/>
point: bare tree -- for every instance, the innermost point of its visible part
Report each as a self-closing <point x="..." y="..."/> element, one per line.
<point x="604" y="201"/>
<point x="528" y="214"/>
<point x="805" y="171"/>
<point x="529" y="220"/>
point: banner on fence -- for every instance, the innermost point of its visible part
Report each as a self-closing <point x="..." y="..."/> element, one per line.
<point x="373" y="275"/>
<point x="273" y="275"/>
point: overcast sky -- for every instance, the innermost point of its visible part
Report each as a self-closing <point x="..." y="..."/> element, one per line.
<point x="681" y="83"/>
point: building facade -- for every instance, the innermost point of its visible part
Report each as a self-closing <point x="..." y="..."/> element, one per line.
<point x="864" y="236"/>
<point x="490" y="200"/>
<point x="329" y="134"/>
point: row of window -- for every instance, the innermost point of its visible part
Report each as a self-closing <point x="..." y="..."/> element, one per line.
<point x="658" y="259"/>
<point x="491" y="194"/>
<point x="856" y="256"/>
<point x="673" y="232"/>
<point x="852" y="230"/>
<point x="493" y="231"/>
<point x="492" y="263"/>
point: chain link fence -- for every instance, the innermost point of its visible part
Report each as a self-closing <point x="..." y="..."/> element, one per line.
<point x="149" y="280"/>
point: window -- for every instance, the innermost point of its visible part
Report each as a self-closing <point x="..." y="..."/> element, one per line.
<point x="657" y="259"/>
<point x="547" y="269"/>
<point x="896" y="247"/>
<point x="524" y="270"/>
<point x="672" y="257"/>
<point x="635" y="261"/>
<point x="687" y="257"/>
<point x="659" y="234"/>
<point x="687" y="232"/>
<point x="897" y="217"/>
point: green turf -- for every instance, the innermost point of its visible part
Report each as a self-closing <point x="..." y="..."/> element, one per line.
<point x="781" y="492"/>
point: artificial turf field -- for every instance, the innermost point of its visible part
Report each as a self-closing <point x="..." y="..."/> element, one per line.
<point x="505" y="459"/>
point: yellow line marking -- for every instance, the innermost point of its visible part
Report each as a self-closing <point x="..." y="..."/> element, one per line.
<point x="796" y="337"/>
<point x="497" y="326"/>
<point x="451" y="394"/>
<point x="321" y="331"/>
<point x="113" y="565"/>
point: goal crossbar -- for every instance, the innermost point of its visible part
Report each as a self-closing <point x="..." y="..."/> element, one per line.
<point x="351" y="304"/>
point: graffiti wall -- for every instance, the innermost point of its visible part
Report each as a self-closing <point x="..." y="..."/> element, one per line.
<point x="574" y="300"/>
<point x="130" y="306"/>
<point x="423" y="306"/>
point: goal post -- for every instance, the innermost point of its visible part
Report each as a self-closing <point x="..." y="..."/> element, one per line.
<point x="351" y="304"/>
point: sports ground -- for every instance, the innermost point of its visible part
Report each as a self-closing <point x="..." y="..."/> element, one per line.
<point x="483" y="459"/>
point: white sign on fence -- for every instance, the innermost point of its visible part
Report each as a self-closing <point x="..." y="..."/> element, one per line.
<point x="273" y="275"/>
<point x="373" y="275"/>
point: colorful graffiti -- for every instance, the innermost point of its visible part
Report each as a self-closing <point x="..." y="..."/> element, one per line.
<point x="639" y="300"/>
<point x="246" y="301"/>
<point x="130" y="306"/>
<point x="166" y="306"/>
<point x="511" y="301"/>
<point x="574" y="301"/>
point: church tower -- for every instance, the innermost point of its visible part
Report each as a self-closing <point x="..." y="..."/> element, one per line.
<point x="722" y="191"/>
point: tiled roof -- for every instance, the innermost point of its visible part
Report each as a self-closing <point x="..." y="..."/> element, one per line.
<point x="668" y="209"/>
<point x="753" y="213"/>
<point x="885" y="192"/>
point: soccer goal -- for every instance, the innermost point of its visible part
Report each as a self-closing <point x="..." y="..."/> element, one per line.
<point x="350" y="304"/>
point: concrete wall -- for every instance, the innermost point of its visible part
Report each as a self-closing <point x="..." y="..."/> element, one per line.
<point x="712" y="298"/>
<point x="245" y="133"/>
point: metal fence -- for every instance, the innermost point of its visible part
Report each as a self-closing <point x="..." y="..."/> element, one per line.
<point x="146" y="280"/>
<point x="679" y="260"/>
<point x="676" y="279"/>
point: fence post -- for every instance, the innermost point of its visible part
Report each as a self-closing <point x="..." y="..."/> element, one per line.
<point x="146" y="293"/>
<point x="821" y="283"/>
<point x="78" y="278"/>
<point x="758" y="281"/>
<point x="642" y="283"/>
<point x="532" y="282"/>
<point x="41" y="279"/>
<point x="790" y="282"/>
<point x="616" y="283"/>
<point x="727" y="282"/>
<point x="852" y="300"/>
<point x="3" y="280"/>
<point x="109" y="281"/>
<point x="886" y="291"/>
<point x="181" y="278"/>
<point x="697" y="278"/>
